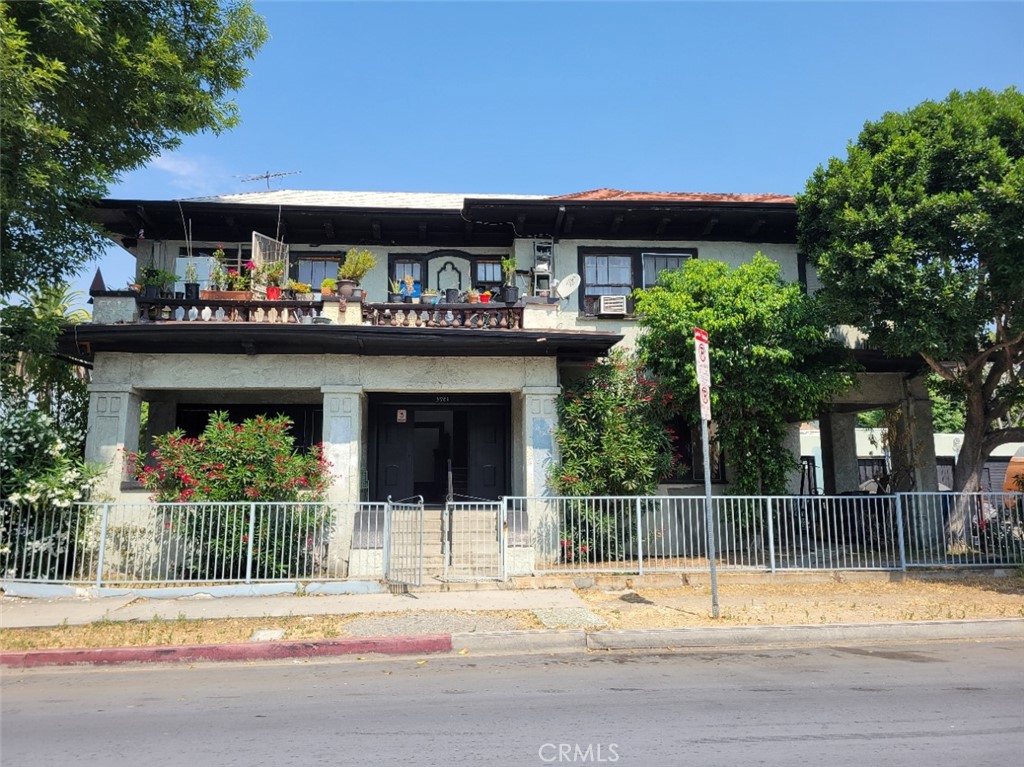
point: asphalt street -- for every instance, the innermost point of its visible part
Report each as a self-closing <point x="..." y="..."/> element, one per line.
<point x="901" y="704"/>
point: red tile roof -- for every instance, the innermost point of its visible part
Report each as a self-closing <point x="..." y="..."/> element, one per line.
<point x="619" y="195"/>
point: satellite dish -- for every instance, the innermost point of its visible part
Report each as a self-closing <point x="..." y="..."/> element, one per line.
<point x="567" y="285"/>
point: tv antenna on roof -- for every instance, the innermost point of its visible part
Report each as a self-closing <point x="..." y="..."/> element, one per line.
<point x="268" y="175"/>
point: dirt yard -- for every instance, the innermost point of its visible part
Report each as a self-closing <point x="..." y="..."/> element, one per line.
<point x="812" y="603"/>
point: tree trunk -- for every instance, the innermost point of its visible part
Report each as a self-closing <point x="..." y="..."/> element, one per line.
<point x="967" y="471"/>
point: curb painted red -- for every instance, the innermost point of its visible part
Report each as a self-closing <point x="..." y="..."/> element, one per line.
<point x="403" y="645"/>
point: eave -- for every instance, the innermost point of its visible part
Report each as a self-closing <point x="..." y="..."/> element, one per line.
<point x="85" y="341"/>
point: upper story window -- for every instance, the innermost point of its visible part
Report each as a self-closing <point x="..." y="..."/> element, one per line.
<point x="487" y="275"/>
<point x="313" y="271"/>
<point x="619" y="271"/>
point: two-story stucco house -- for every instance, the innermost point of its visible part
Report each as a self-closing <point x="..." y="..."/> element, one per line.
<point x="428" y="398"/>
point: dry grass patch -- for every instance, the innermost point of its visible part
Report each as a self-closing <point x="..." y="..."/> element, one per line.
<point x="818" y="603"/>
<point x="183" y="631"/>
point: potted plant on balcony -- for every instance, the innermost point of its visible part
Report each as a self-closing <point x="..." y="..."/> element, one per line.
<point x="409" y="290"/>
<point x="327" y="286"/>
<point x="428" y="296"/>
<point x="272" y="273"/>
<point x="191" y="281"/>
<point x="302" y="291"/>
<point x="157" y="282"/>
<point x="509" y="291"/>
<point x="352" y="270"/>
<point x="394" y="291"/>
<point x="473" y="296"/>
<point x="485" y="296"/>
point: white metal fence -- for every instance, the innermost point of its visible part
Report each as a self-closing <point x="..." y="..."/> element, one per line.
<point x="474" y="540"/>
<point x="404" y="542"/>
<point x="845" y="532"/>
<point x="164" y="543"/>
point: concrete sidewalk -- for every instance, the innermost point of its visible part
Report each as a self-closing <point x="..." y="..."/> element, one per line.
<point x="28" y="613"/>
<point x="429" y="623"/>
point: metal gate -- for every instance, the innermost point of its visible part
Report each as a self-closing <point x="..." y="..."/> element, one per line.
<point x="474" y="539"/>
<point x="403" y="542"/>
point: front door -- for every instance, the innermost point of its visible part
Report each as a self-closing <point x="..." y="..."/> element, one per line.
<point x="421" y="445"/>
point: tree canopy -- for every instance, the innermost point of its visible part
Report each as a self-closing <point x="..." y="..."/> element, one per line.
<point x="92" y="89"/>
<point x="917" y="239"/>
<point x="772" y="358"/>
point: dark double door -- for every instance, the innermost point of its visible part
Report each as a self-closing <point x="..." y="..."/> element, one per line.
<point x="416" y="441"/>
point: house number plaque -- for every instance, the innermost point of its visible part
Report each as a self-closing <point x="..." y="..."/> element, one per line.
<point x="401" y="416"/>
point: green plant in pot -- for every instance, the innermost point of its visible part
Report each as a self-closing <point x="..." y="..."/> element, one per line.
<point x="191" y="281"/>
<point x="352" y="270"/>
<point x="509" y="291"/>
<point x="394" y="291"/>
<point x="327" y="286"/>
<point x="156" y="281"/>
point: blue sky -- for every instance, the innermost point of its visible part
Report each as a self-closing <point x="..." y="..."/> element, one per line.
<point x="557" y="97"/>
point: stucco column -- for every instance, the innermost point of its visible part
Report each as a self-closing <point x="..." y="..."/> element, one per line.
<point x="538" y="426"/>
<point x="916" y="421"/>
<point x="113" y="432"/>
<point x="342" y="430"/>
<point x="839" y="452"/>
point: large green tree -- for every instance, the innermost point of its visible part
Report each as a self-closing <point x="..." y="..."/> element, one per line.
<point x="772" y="358"/>
<point x="917" y="239"/>
<point x="91" y="89"/>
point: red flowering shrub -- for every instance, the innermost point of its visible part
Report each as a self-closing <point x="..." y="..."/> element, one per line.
<point x="255" y="460"/>
<point x="242" y="467"/>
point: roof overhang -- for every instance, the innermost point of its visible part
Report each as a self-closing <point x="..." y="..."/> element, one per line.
<point x="688" y="220"/>
<point x="85" y="341"/>
<point x="481" y="222"/>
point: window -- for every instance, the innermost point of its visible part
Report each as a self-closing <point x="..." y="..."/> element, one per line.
<point x="487" y="275"/>
<point x="400" y="267"/>
<point x="618" y="271"/>
<point x="656" y="263"/>
<point x="313" y="271"/>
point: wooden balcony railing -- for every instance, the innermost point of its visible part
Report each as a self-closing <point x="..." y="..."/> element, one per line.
<point x="227" y="310"/>
<point x="466" y="316"/>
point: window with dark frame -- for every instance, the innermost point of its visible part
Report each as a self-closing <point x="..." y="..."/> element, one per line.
<point x="313" y="271"/>
<point x="619" y="271"/>
<point x="487" y="275"/>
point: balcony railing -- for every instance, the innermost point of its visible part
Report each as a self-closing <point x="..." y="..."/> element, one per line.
<point x="228" y="310"/>
<point x="468" y="316"/>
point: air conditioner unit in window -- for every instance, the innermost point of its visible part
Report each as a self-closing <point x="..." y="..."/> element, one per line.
<point x="612" y="305"/>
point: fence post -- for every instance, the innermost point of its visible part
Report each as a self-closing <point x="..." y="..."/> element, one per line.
<point x="103" y="544"/>
<point x="771" y="536"/>
<point x="252" y="530"/>
<point x="386" y="544"/>
<point x="900" y="540"/>
<point x="503" y="532"/>
<point x="446" y="521"/>
<point x="639" y="539"/>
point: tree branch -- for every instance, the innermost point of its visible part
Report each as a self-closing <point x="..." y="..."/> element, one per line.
<point x="939" y="369"/>
<point x="1000" y="437"/>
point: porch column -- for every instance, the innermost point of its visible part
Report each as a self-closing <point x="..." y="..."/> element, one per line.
<point x="915" y="422"/>
<point x="839" y="452"/>
<point x="342" y="429"/>
<point x="112" y="433"/>
<point x="539" y="421"/>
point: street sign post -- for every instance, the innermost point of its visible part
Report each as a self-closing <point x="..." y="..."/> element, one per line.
<point x="701" y="352"/>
